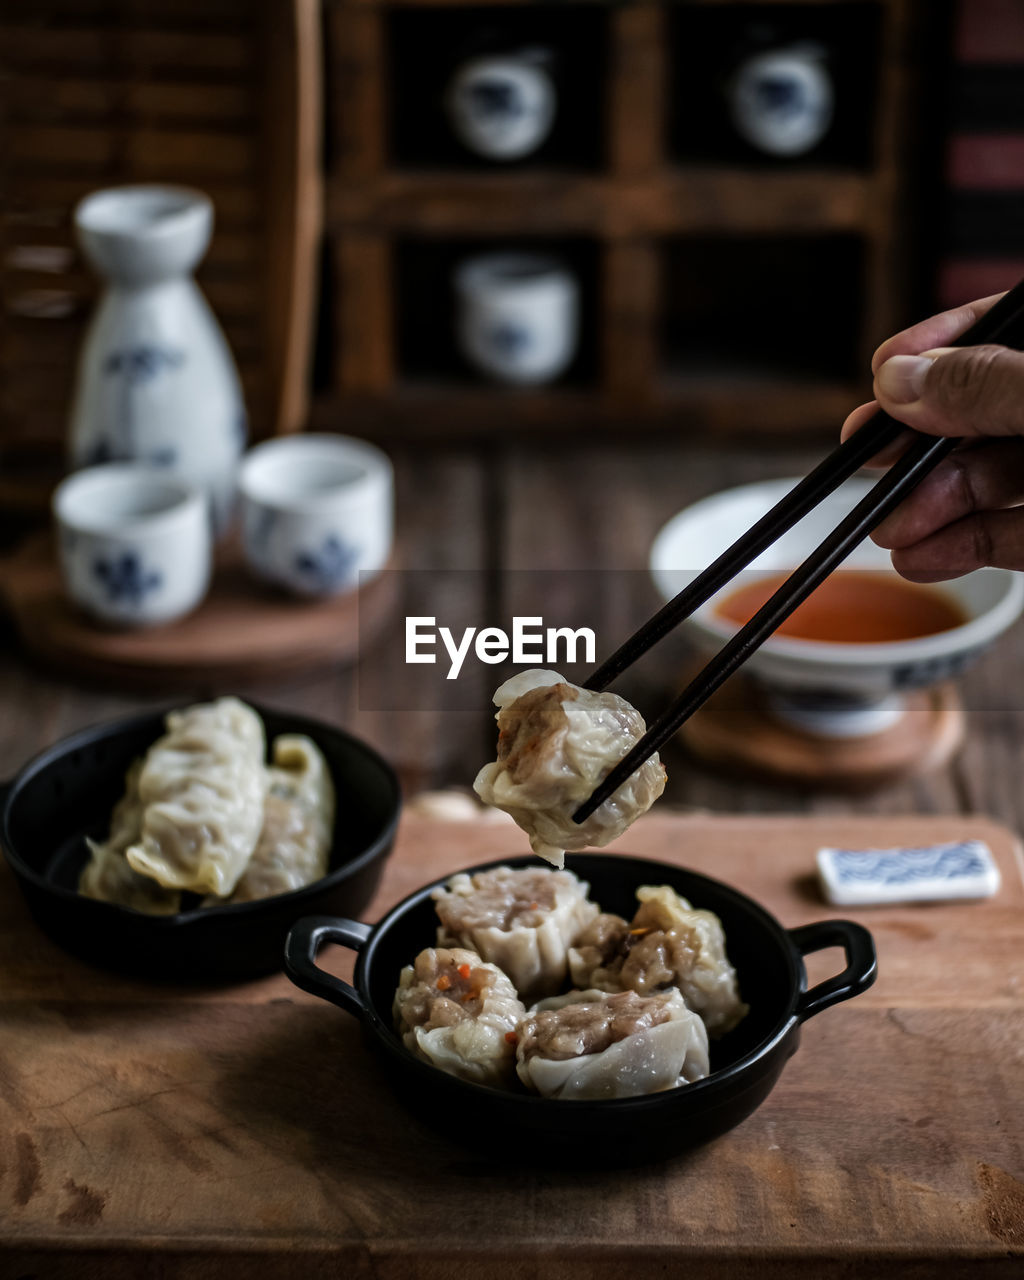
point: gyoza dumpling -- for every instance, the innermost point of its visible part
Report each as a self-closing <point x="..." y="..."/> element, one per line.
<point x="298" y="823"/>
<point x="667" y="944"/>
<point x="590" y="1044"/>
<point x="556" y="742"/>
<point x="459" y="1013"/>
<point x="521" y="920"/>
<point x="202" y="787"/>
<point x="107" y="876"/>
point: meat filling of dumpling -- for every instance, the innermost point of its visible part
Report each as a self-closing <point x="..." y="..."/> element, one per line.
<point x="667" y="944"/>
<point x="556" y="741"/>
<point x="589" y="1044"/>
<point x="460" y="1014"/>
<point x="522" y="920"/>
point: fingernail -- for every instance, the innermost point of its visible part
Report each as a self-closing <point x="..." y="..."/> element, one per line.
<point x="901" y="378"/>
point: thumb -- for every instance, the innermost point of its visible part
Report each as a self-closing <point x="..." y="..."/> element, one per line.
<point x="956" y="391"/>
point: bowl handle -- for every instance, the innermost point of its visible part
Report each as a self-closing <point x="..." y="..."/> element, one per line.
<point x="305" y="939"/>
<point x="861" y="963"/>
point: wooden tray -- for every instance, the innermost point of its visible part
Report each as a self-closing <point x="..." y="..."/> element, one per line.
<point x="241" y="631"/>
<point x="245" y="1131"/>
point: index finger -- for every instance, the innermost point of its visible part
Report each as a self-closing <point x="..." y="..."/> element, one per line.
<point x="936" y="331"/>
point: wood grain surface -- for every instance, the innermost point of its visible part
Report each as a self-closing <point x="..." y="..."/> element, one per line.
<point x="245" y="1131"/>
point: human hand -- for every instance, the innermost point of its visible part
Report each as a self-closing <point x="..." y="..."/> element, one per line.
<point x="967" y="512"/>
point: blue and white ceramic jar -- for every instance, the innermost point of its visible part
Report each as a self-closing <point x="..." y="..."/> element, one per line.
<point x="502" y="106"/>
<point x="517" y="316"/>
<point x="156" y="381"/>
<point x="782" y="100"/>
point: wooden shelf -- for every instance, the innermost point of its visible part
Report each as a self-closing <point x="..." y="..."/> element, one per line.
<point x="626" y="223"/>
<point x="734" y="408"/>
<point x="675" y="201"/>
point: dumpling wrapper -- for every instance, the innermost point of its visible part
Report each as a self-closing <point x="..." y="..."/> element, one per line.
<point x="522" y="920"/>
<point x="668" y="943"/>
<point x="459" y="1013"/>
<point x="202" y="788"/>
<point x="556" y="742"/>
<point x="651" y="1059"/>
<point x="294" y="844"/>
<point x="107" y="876"/>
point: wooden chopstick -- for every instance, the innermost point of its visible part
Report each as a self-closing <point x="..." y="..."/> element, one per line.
<point x="1003" y="323"/>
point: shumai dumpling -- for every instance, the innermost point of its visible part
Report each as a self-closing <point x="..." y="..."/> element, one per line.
<point x="556" y="741"/>
<point x="298" y="823"/>
<point x="460" y="1014"/>
<point x="590" y="1044"/>
<point x="667" y="944"/>
<point x="107" y="875"/>
<point x="522" y="920"/>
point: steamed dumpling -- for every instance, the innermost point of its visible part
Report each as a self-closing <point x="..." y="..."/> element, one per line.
<point x="556" y="742"/>
<point x="521" y="920"/>
<point x="202" y="788"/>
<point x="107" y="875"/>
<point x="298" y="823"/>
<point x="460" y="1014"/>
<point x="590" y="1044"/>
<point x="667" y="944"/>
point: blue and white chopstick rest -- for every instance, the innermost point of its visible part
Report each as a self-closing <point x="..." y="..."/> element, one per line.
<point x="928" y="873"/>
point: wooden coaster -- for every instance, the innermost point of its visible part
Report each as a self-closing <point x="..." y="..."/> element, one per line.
<point x="241" y="631"/>
<point x="736" y="730"/>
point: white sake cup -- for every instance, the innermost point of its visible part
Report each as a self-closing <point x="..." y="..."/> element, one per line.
<point x="518" y="316"/>
<point x="317" y="512"/>
<point x="502" y="106"/>
<point x="782" y="100"/>
<point x="134" y="543"/>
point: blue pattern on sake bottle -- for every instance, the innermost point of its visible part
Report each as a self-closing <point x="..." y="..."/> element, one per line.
<point x="156" y="382"/>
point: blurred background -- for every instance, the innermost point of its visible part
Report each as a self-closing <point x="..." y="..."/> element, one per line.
<point x="571" y="265"/>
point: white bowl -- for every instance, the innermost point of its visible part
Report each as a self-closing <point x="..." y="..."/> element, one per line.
<point x="134" y="543"/>
<point x="317" y="512"/>
<point x="834" y="689"/>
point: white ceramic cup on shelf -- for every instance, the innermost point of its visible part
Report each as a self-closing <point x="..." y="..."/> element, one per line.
<point x="134" y="543"/>
<point x="782" y="100"/>
<point x="502" y="106"/>
<point x="317" y="512"/>
<point x="517" y="316"/>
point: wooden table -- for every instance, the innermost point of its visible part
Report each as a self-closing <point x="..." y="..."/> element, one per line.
<point x="481" y="524"/>
<point x="245" y="1131"/>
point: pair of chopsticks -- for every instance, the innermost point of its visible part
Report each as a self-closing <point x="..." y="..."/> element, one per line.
<point x="1004" y="324"/>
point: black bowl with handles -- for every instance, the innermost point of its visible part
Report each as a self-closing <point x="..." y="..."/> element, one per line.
<point x="745" y="1064"/>
<point x="68" y="792"/>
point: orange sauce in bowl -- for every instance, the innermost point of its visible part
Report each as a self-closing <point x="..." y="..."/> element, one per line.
<point x="852" y="606"/>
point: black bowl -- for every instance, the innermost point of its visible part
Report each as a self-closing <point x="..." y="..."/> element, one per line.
<point x="745" y="1064"/>
<point x="68" y="792"/>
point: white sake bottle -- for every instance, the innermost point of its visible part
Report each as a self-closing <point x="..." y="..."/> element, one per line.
<point x="156" y="381"/>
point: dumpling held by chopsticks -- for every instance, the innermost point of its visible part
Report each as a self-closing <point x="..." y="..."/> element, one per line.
<point x="556" y="741"/>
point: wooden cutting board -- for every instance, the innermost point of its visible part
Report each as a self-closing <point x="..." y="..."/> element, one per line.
<point x="244" y="1130"/>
